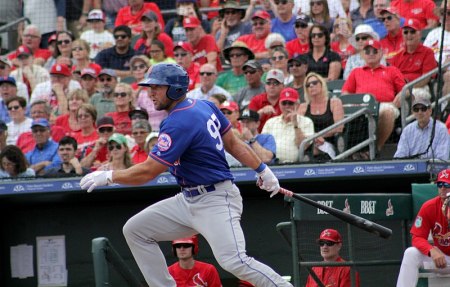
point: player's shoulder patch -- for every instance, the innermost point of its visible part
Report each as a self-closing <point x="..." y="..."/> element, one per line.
<point x="418" y="222"/>
<point x="164" y="142"/>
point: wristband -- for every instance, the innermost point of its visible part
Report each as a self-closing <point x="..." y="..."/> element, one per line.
<point x="261" y="167"/>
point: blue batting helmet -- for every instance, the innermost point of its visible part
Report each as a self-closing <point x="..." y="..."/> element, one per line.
<point x="171" y="75"/>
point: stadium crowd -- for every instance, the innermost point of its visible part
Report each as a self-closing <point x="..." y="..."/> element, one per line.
<point x="70" y="100"/>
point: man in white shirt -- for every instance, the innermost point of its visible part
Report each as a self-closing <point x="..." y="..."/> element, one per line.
<point x="208" y="87"/>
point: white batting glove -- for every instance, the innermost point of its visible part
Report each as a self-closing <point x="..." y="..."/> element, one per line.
<point x="96" y="178"/>
<point x="268" y="181"/>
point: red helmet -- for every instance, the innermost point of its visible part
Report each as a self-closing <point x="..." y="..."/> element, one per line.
<point x="188" y="240"/>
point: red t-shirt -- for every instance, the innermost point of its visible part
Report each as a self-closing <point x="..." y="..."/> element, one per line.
<point x="27" y="143"/>
<point x="194" y="75"/>
<point x="138" y="155"/>
<point x="122" y="122"/>
<point x="63" y="122"/>
<point x="382" y="82"/>
<point x="447" y="123"/>
<point x="418" y="9"/>
<point x="102" y="155"/>
<point x="39" y="53"/>
<point x="260" y="101"/>
<point x="392" y="45"/>
<point x="206" y="45"/>
<point x="345" y="54"/>
<point x="338" y="276"/>
<point x="202" y="274"/>
<point x="97" y="68"/>
<point x="163" y="37"/>
<point x="85" y="140"/>
<point x="295" y="48"/>
<point x="256" y="45"/>
<point x="416" y="64"/>
<point x="124" y="17"/>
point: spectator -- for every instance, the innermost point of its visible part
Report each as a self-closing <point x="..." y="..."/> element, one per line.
<point x="323" y="112"/>
<point x="20" y="89"/>
<point x="362" y="34"/>
<point x="429" y="221"/>
<point x="27" y="72"/>
<point x="123" y="100"/>
<point x="321" y="59"/>
<point x="3" y="134"/>
<point x="422" y="10"/>
<point x="335" y="7"/>
<point x="64" y="41"/>
<point x="320" y="14"/>
<point x="232" y="25"/>
<point x="279" y="60"/>
<point x="137" y="115"/>
<point x="111" y="7"/>
<point x="141" y="129"/>
<point x="300" y="45"/>
<point x="284" y="22"/>
<point x="217" y="99"/>
<point x="289" y="128"/>
<point x="263" y="144"/>
<point x="103" y="100"/>
<point x="341" y="45"/>
<point x="266" y="104"/>
<point x="234" y="80"/>
<point x="261" y="26"/>
<point x="8" y="90"/>
<point x="80" y="52"/>
<point x="131" y="15"/>
<point x="185" y="8"/>
<point x="330" y="242"/>
<point x="157" y="53"/>
<point x="393" y="42"/>
<point x="231" y="112"/>
<point x="273" y="41"/>
<point x="13" y="163"/>
<point x="363" y="13"/>
<point x="70" y="165"/>
<point x="151" y="30"/>
<point x="44" y="156"/>
<point x="19" y="123"/>
<point x="118" y="56"/>
<point x="298" y="67"/>
<point x="119" y="157"/>
<point x="87" y="135"/>
<point x="208" y="87"/>
<point x="383" y="82"/>
<point x="146" y="110"/>
<point x="39" y="109"/>
<point x="55" y="91"/>
<point x="376" y="23"/>
<point x="89" y="81"/>
<point x="204" y="45"/>
<point x="183" y="53"/>
<point x="93" y="155"/>
<point x="69" y="121"/>
<point x="253" y="72"/>
<point x="150" y="141"/>
<point x="188" y="271"/>
<point x="31" y="38"/>
<point x="139" y="65"/>
<point x="96" y="36"/>
<point x="415" y="139"/>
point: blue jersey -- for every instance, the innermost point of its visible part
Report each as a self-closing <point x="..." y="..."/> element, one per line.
<point x="286" y="29"/>
<point x="190" y="143"/>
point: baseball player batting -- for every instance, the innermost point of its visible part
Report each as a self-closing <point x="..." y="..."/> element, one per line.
<point x="191" y="142"/>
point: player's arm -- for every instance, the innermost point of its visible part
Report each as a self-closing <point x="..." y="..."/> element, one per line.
<point x="140" y="173"/>
<point x="240" y="150"/>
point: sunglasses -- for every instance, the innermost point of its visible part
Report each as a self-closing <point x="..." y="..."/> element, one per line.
<point x="226" y="112"/>
<point x="249" y="72"/>
<point x="183" y="245"/>
<point x="180" y="55"/>
<point x="317" y="35"/>
<point x="105" y="79"/>
<point x="273" y="83"/>
<point x="390" y="17"/>
<point x="121" y="36"/>
<point x="312" y="83"/>
<point x="279" y="58"/>
<point x="361" y="38"/>
<point x="122" y="95"/>
<point x="318" y="3"/>
<point x="139" y="67"/>
<point x="77" y="49"/>
<point x="105" y="130"/>
<point x="370" y="51"/>
<point x="206" y="73"/>
<point x="114" y="146"/>
<point x="13" y="108"/>
<point x="35" y="131"/>
<point x="259" y="23"/>
<point x="65" y="42"/>
<point x="422" y="109"/>
<point x="236" y="55"/>
<point x="284" y="2"/>
<point x="287" y="103"/>
<point x="301" y="25"/>
<point x="230" y="12"/>
<point x="408" y="31"/>
<point x="443" y="185"/>
<point x="291" y="65"/>
<point x="139" y="133"/>
<point x="327" y="243"/>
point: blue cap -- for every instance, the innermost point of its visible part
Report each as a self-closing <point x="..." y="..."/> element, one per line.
<point x="40" y="122"/>
<point x="10" y="80"/>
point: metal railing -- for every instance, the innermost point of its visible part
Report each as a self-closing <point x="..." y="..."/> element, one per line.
<point x="7" y="26"/>
<point x="370" y="141"/>
<point x="103" y="253"/>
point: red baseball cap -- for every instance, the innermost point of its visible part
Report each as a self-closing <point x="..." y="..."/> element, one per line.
<point x="413" y="24"/>
<point x="52" y="38"/>
<point x="330" y="235"/>
<point x="289" y="94"/>
<point x="185" y="46"/>
<point x="60" y="69"/>
<point x="444" y="176"/>
<point x="90" y="72"/>
<point x="229" y="105"/>
<point x="261" y="14"/>
<point x="373" y="43"/>
<point x="191" y="22"/>
<point x="23" y="50"/>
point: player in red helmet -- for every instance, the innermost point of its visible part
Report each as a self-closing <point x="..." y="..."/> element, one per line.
<point x="190" y="272"/>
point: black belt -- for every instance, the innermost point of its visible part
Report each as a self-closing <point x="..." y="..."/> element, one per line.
<point x="191" y="191"/>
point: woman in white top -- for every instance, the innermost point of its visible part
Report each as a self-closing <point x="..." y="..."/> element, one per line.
<point x="19" y="122"/>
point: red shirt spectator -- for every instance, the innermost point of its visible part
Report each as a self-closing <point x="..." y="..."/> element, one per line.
<point x="31" y="38"/>
<point x="122" y="122"/>
<point x="255" y="41"/>
<point x="392" y="44"/>
<point x="300" y="45"/>
<point x="183" y="53"/>
<point x="422" y="10"/>
<point x="138" y="155"/>
<point x="344" y="54"/>
<point x="131" y="15"/>
<point x="295" y="48"/>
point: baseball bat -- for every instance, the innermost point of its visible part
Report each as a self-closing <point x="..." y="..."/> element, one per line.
<point x="359" y="222"/>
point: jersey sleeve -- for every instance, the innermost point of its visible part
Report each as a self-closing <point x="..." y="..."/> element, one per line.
<point x="421" y="228"/>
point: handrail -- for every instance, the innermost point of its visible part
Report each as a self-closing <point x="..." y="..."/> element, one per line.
<point x="404" y="107"/>
<point x="202" y="9"/>
<point x="410" y="118"/>
<point x="10" y="24"/>
<point x="350" y="263"/>
<point x="369" y="142"/>
<point x="102" y="254"/>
